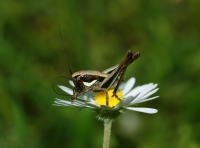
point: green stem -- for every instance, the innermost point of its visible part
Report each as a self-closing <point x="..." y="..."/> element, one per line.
<point x="107" y="131"/>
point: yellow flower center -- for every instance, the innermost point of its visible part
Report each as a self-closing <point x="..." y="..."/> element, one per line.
<point x="111" y="101"/>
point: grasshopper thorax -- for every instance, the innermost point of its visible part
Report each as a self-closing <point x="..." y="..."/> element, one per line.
<point x="86" y="78"/>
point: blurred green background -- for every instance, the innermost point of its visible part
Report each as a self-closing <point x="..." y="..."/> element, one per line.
<point x="97" y="35"/>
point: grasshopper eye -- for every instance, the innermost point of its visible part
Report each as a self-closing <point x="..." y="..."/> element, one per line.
<point x="89" y="83"/>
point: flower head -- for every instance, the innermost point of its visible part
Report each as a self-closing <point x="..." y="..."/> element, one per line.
<point x="112" y="106"/>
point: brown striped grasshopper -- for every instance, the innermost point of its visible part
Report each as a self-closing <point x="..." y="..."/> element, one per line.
<point x="90" y="80"/>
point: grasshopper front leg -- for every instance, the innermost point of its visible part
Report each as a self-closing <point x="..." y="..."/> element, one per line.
<point x="103" y="90"/>
<point x="81" y="93"/>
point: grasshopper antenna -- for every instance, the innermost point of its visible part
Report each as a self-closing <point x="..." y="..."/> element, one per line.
<point x="64" y="51"/>
<point x="53" y="85"/>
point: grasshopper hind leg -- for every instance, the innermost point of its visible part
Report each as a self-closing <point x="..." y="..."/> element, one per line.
<point x="107" y="98"/>
<point x="114" y="95"/>
<point x="104" y="90"/>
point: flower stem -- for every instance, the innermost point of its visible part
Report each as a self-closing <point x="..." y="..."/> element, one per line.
<point x="107" y="131"/>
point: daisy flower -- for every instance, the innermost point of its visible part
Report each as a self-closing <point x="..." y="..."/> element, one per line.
<point x="114" y="107"/>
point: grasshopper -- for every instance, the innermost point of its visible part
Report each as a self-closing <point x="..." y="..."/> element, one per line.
<point x="90" y="80"/>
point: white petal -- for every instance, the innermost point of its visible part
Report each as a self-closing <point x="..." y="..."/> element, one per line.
<point x="145" y="100"/>
<point x="66" y="89"/>
<point x="128" y="100"/>
<point x="87" y="96"/>
<point x="90" y="94"/>
<point x="71" y="83"/>
<point x="81" y="104"/>
<point x="118" y="105"/>
<point x="91" y="104"/>
<point x="144" y="110"/>
<point x="148" y="94"/>
<point x="128" y="86"/>
<point x="75" y="103"/>
<point x="138" y="90"/>
<point x="151" y="92"/>
<point x="121" y="86"/>
<point x="125" y="102"/>
<point x="63" y="102"/>
<point x="147" y="89"/>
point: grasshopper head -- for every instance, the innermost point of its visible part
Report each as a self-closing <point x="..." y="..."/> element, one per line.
<point x="79" y="86"/>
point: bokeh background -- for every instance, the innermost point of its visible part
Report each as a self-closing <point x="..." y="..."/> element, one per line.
<point x="97" y="35"/>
